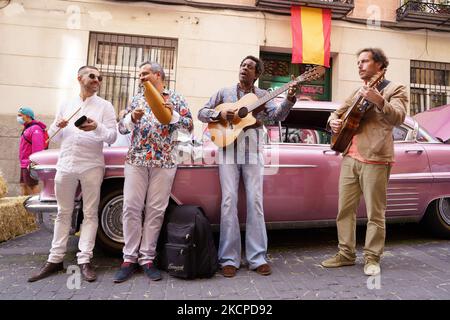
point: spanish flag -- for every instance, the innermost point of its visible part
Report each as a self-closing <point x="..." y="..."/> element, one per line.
<point x="311" y="29"/>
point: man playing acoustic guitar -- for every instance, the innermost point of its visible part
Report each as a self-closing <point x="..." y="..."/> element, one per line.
<point x="244" y="156"/>
<point x="367" y="162"/>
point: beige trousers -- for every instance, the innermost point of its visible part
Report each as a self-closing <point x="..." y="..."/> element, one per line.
<point x="371" y="180"/>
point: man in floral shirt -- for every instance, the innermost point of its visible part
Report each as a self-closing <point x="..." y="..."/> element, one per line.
<point x="149" y="172"/>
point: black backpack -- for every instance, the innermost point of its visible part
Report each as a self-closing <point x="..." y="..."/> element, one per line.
<point x="186" y="246"/>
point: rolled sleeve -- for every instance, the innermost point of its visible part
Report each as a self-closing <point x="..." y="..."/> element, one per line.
<point x="126" y="124"/>
<point x="278" y="113"/>
<point x="175" y="117"/>
<point x="207" y="112"/>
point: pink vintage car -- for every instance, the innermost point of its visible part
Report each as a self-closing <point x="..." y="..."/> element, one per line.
<point x="300" y="185"/>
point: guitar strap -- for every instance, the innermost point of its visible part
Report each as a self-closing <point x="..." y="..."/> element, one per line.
<point x="383" y="85"/>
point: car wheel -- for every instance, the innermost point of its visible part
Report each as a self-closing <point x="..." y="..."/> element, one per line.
<point x="437" y="217"/>
<point x="110" y="230"/>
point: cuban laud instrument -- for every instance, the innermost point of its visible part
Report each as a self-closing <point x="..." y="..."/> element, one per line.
<point x="57" y="131"/>
<point x="156" y="103"/>
<point x="352" y="117"/>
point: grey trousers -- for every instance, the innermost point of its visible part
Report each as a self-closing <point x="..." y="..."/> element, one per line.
<point x="149" y="187"/>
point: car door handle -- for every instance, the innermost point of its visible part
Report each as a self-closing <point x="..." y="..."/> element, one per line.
<point x="419" y="151"/>
<point x="332" y="152"/>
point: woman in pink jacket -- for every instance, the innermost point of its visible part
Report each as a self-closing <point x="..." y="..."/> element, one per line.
<point x="32" y="140"/>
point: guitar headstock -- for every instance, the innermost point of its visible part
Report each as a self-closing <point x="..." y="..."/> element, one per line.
<point x="312" y="74"/>
<point x="377" y="78"/>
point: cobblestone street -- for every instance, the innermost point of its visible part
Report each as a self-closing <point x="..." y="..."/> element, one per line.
<point x="414" y="266"/>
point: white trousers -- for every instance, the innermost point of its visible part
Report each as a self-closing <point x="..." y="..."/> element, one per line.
<point x="66" y="185"/>
<point x="150" y="188"/>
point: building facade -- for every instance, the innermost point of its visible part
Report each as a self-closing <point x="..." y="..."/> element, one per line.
<point x="200" y="45"/>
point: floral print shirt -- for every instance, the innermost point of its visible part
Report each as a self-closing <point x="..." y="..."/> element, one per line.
<point x="152" y="143"/>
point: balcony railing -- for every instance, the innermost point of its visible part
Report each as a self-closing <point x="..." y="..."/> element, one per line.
<point x="425" y="13"/>
<point x="339" y="8"/>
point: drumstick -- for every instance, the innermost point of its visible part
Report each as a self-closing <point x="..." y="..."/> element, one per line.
<point x="62" y="128"/>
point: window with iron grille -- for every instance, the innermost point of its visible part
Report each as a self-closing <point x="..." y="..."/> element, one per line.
<point x="430" y="85"/>
<point x="118" y="58"/>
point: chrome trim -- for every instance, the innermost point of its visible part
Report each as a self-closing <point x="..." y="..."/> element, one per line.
<point x="46" y="212"/>
<point x="415" y="130"/>
<point x="402" y="188"/>
<point x="39" y="167"/>
<point x="323" y="223"/>
<point x="35" y="205"/>
<point x="51" y="167"/>
<point x="113" y="177"/>
<point x="411" y="176"/>
<point x="403" y="199"/>
<point x="175" y="199"/>
<point x="208" y="166"/>
<point x="402" y="204"/>
<point x="412" y="209"/>
<point x="441" y="176"/>
<point x="290" y="166"/>
<point x="115" y="166"/>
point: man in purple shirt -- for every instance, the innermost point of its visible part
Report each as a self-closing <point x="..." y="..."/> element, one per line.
<point x="245" y="158"/>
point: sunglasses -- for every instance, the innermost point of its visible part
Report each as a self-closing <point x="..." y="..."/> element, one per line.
<point x="93" y="76"/>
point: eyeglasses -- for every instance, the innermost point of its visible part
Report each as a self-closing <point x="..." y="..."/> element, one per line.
<point x="93" y="76"/>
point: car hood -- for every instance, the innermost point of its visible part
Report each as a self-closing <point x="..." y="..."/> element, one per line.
<point x="436" y="121"/>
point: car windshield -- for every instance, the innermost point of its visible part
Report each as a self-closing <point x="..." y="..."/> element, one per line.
<point x="308" y="126"/>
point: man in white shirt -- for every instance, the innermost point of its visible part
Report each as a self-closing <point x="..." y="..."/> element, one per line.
<point x="81" y="161"/>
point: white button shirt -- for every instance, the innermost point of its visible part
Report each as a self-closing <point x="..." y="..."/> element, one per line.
<point x="83" y="150"/>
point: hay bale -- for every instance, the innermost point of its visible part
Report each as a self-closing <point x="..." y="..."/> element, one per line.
<point x="15" y="220"/>
<point x="3" y="186"/>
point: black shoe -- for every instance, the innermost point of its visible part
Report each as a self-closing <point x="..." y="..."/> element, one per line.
<point x="87" y="272"/>
<point x="48" y="269"/>
<point x="125" y="271"/>
<point x="152" y="272"/>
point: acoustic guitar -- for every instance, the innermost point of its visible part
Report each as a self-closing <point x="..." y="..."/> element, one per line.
<point x="352" y="117"/>
<point x="224" y="132"/>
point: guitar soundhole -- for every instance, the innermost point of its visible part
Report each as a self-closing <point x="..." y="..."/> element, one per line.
<point x="243" y="112"/>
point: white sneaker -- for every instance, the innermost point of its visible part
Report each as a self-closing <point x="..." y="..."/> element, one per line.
<point x="372" y="268"/>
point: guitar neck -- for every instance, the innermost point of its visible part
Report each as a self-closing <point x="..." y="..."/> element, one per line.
<point x="268" y="97"/>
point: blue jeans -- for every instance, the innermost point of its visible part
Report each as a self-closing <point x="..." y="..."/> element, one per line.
<point x="255" y="235"/>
